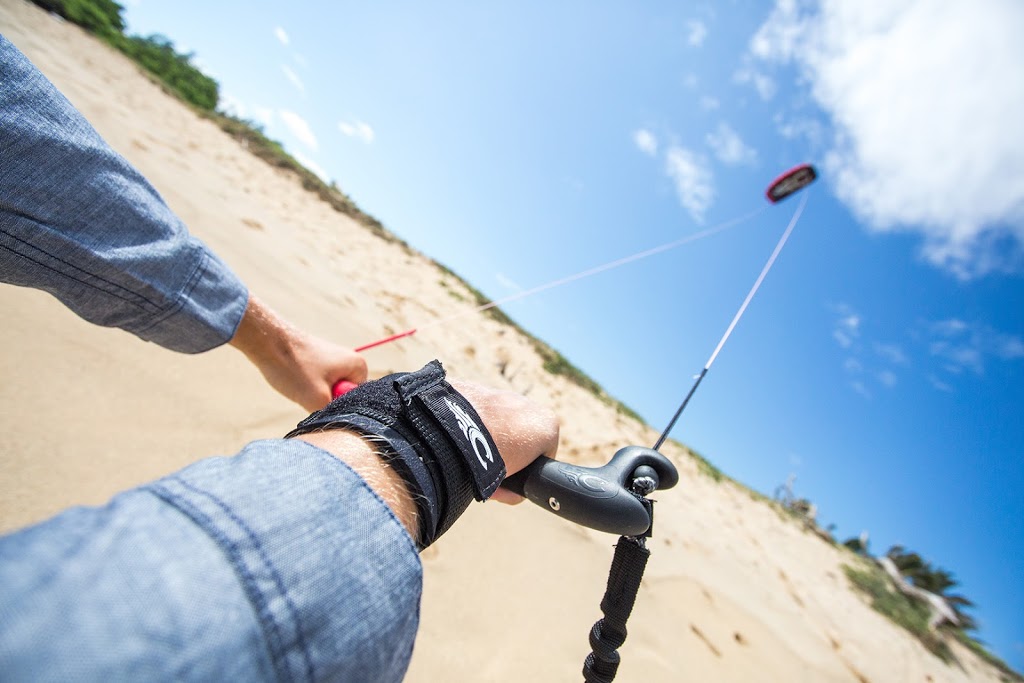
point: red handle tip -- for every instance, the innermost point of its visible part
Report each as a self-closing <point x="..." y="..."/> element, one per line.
<point x="342" y="387"/>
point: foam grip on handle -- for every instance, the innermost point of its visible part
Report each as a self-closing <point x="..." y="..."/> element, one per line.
<point x="595" y="497"/>
<point x="342" y="387"/>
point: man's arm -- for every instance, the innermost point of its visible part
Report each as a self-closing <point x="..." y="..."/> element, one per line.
<point x="78" y="221"/>
<point x="293" y="560"/>
<point x="280" y="563"/>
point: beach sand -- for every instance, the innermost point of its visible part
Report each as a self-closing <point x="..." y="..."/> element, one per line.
<point x="734" y="591"/>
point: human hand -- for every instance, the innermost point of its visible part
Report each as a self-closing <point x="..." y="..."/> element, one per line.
<point x="521" y="428"/>
<point x="298" y="365"/>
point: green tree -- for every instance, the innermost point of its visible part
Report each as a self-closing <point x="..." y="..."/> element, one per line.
<point x="102" y="17"/>
<point x="933" y="579"/>
<point x="157" y="55"/>
<point x="856" y="545"/>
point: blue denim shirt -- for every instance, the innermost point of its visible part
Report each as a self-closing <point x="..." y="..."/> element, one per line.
<point x="279" y="563"/>
<point x="79" y="222"/>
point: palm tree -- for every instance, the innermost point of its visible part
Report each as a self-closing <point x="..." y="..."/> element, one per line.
<point x="934" y="580"/>
<point x="859" y="544"/>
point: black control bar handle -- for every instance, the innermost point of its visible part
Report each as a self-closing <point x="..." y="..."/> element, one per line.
<point x="596" y="497"/>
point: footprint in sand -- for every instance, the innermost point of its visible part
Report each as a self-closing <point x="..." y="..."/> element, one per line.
<point x="700" y="634"/>
<point x="790" y="589"/>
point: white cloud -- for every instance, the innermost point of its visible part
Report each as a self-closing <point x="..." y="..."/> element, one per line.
<point x="859" y="387"/>
<point x="763" y="83"/>
<point x="708" y="103"/>
<point x="939" y="384"/>
<point x="312" y="166"/>
<point x="729" y="147"/>
<point x="960" y="345"/>
<point x="645" y="141"/>
<point x="892" y="353"/>
<point x="958" y="356"/>
<point x="280" y="34"/>
<point x="232" y="106"/>
<point x="951" y="327"/>
<point x="693" y="180"/>
<point x="847" y="327"/>
<point x="202" y="66"/>
<point x="507" y="282"/>
<point x="924" y="97"/>
<point x="696" y="32"/>
<point x="843" y="339"/>
<point x="690" y="80"/>
<point x="299" y="128"/>
<point x="847" y="333"/>
<point x="293" y="78"/>
<point x="946" y="351"/>
<point x="263" y="115"/>
<point x="1010" y="348"/>
<point x="357" y="129"/>
<point x="805" y="127"/>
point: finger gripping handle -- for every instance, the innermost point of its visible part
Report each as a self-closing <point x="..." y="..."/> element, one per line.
<point x="595" y="497"/>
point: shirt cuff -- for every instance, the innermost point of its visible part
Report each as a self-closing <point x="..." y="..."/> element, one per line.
<point x="209" y="309"/>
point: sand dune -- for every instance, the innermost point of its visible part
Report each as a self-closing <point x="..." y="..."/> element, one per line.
<point x="734" y="592"/>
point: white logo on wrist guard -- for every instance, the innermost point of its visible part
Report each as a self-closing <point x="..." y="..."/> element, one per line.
<point x="472" y="432"/>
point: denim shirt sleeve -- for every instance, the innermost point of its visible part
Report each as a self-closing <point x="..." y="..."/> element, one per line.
<point x="278" y="564"/>
<point x="78" y="221"/>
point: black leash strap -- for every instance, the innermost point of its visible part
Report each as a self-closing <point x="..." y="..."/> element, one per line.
<point x="611" y="498"/>
<point x="609" y="633"/>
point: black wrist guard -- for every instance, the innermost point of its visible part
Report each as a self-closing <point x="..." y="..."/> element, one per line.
<point x="431" y="436"/>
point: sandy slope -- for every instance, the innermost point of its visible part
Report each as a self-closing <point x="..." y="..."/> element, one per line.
<point x="733" y="592"/>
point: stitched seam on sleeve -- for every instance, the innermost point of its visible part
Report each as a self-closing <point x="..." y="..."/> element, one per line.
<point x="272" y="630"/>
<point x="336" y="462"/>
<point x="86" y="278"/>
<point x="183" y="295"/>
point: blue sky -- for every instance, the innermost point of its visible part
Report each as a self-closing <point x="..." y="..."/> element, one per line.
<point x="517" y="143"/>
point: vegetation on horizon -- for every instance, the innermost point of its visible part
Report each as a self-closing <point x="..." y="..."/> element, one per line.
<point x="913" y="615"/>
<point x="933" y="579"/>
<point x="909" y="614"/>
<point x="155" y="53"/>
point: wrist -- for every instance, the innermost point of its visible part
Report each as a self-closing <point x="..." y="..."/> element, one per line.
<point x="263" y="336"/>
<point x="434" y="440"/>
<point x="359" y="454"/>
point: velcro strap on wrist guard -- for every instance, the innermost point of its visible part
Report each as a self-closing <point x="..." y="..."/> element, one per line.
<point x="432" y="437"/>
